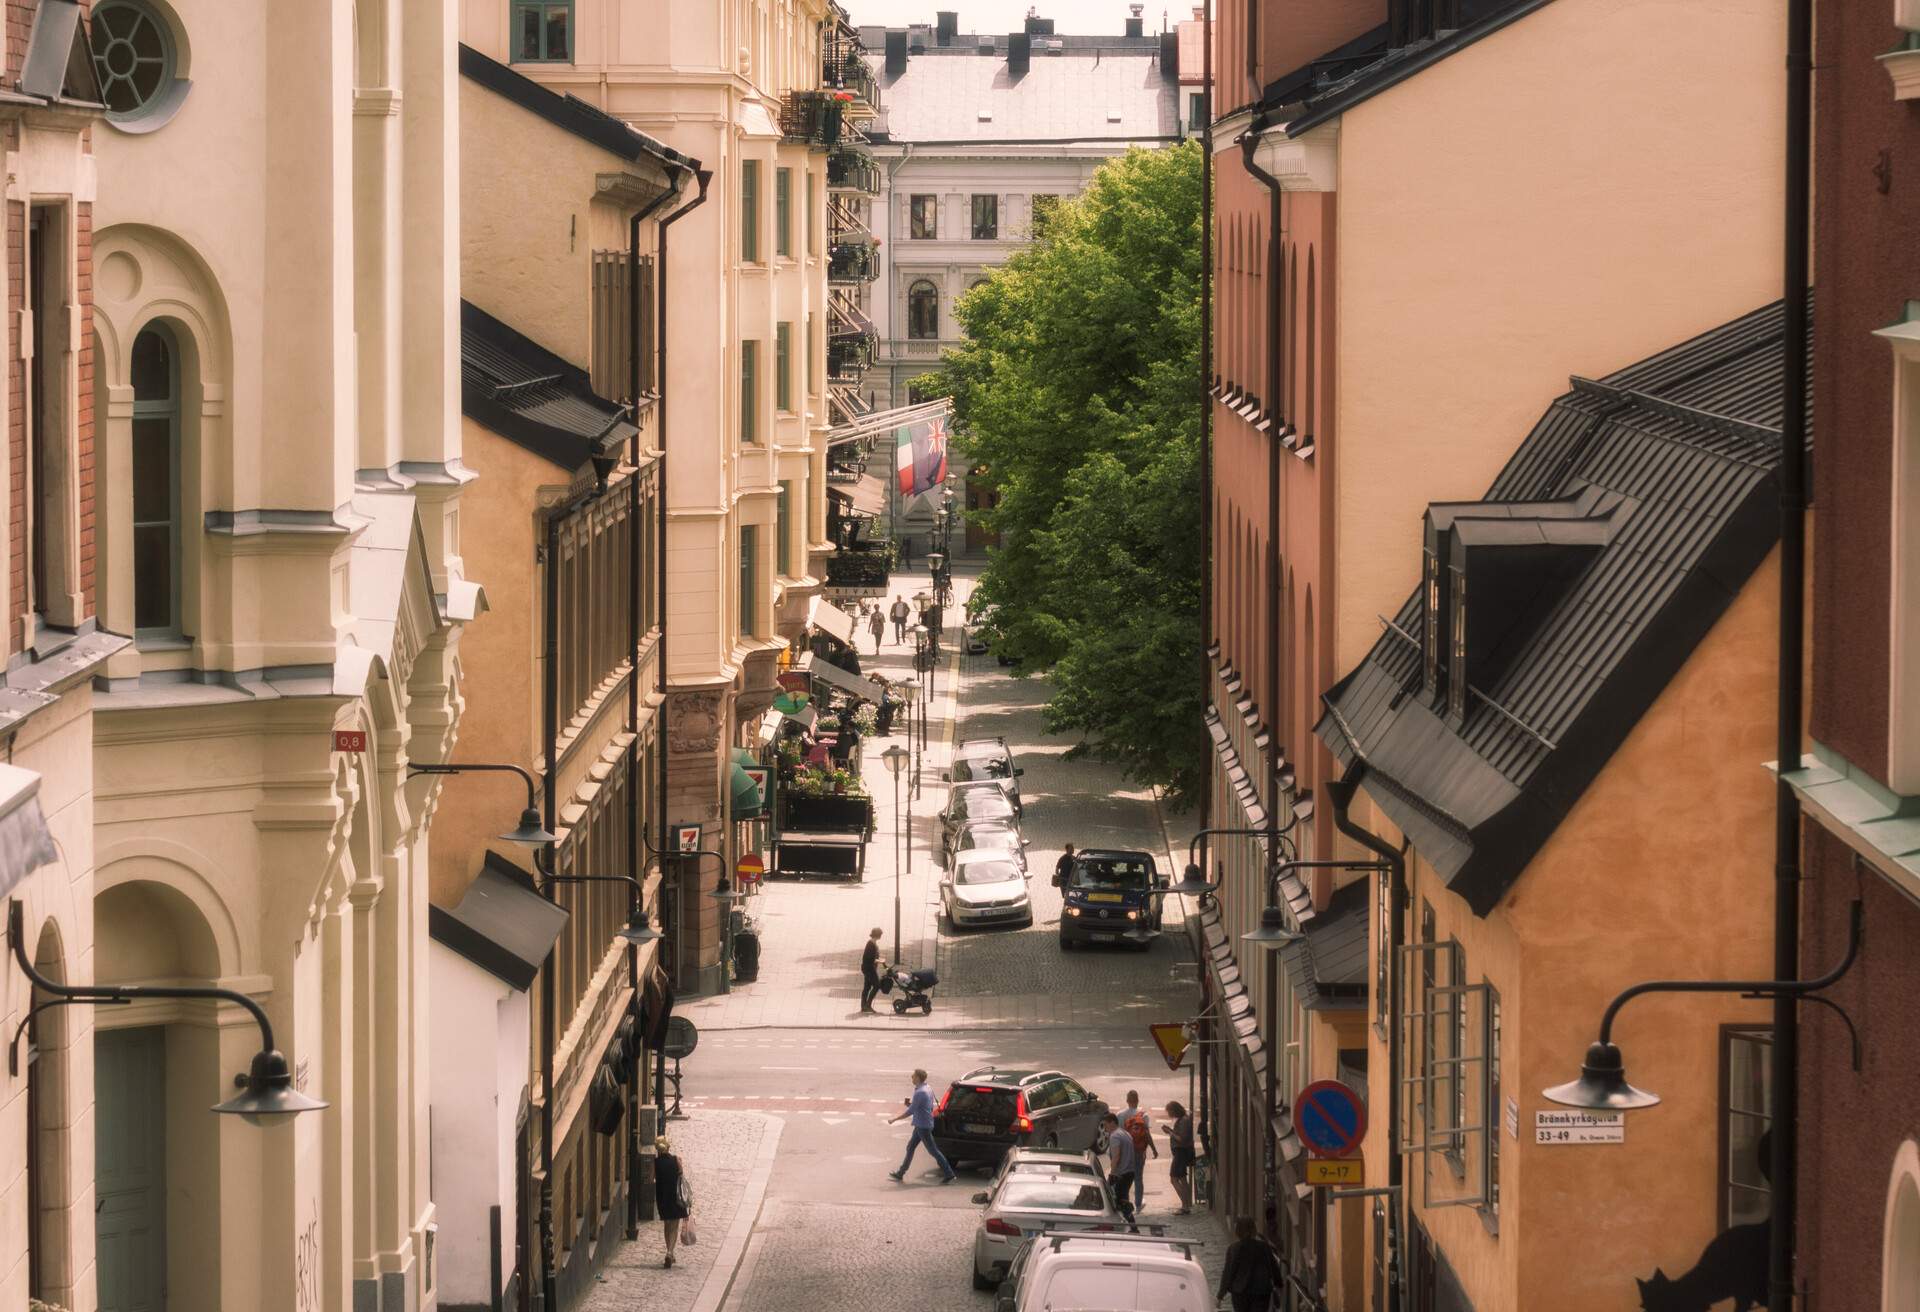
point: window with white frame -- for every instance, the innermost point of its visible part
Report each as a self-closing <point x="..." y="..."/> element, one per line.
<point x="1448" y="1036"/>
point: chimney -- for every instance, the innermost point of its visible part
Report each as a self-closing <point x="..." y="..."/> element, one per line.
<point x="1038" y="26"/>
<point x="896" y="51"/>
<point x="1169" y="56"/>
<point x="1019" y="52"/>
<point x="1136" y="25"/>
<point x="946" y="26"/>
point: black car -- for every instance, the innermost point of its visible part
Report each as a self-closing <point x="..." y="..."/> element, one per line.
<point x="988" y="1111"/>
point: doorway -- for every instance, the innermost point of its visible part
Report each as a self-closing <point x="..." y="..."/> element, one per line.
<point x="130" y="1169"/>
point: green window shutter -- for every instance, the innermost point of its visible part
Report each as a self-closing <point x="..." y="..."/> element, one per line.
<point x="749" y="392"/>
<point x="783" y="366"/>
<point x="783" y="212"/>
<point x="783" y="546"/>
<point x="749" y="592"/>
<point x="750" y="210"/>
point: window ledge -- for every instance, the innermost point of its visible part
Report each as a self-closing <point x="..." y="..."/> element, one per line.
<point x="1903" y="66"/>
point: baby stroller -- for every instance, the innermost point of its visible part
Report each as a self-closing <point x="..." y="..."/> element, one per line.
<point x="912" y="986"/>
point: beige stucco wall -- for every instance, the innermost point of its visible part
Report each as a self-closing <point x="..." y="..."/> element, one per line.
<point x="1591" y="184"/>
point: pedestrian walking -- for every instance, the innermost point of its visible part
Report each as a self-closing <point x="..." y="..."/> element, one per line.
<point x="1062" y="867"/>
<point x="899" y="613"/>
<point x="1180" y="1152"/>
<point x="672" y="1195"/>
<point x="870" y="970"/>
<point x="1122" y="1162"/>
<point x="920" y="1108"/>
<point x="906" y="551"/>
<point x="1252" y="1270"/>
<point x="1139" y="1129"/>
<point x="877" y="625"/>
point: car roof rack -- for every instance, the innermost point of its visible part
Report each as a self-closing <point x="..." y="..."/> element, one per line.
<point x="1054" y="1238"/>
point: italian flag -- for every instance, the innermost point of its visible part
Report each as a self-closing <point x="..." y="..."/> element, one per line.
<point x="920" y="456"/>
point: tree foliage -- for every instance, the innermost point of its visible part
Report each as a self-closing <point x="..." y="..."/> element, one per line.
<point x="1077" y="388"/>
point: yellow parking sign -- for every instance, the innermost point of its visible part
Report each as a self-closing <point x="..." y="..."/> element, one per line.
<point x="1340" y="1170"/>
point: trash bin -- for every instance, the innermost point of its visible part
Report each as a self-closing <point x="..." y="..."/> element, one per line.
<point x="746" y="956"/>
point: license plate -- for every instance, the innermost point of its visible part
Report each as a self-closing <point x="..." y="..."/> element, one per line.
<point x="1104" y="938"/>
<point x="1105" y="897"/>
<point x="980" y="1129"/>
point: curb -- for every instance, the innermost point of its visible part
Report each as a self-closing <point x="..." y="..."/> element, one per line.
<point x="729" y="1263"/>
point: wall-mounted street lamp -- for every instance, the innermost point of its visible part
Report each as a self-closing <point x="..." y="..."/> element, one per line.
<point x="530" y="832"/>
<point x="266" y="1090"/>
<point x="1603" y="1086"/>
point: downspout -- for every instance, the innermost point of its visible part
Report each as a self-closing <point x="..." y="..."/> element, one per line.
<point x="549" y="742"/>
<point x="704" y="177"/>
<point x="1785" y="1075"/>
<point x="1271" y="710"/>
<point x="1341" y="790"/>
<point x="1206" y="468"/>
<point x="636" y="1081"/>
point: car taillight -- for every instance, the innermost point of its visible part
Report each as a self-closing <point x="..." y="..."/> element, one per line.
<point x="995" y="1226"/>
<point x="943" y="1101"/>
<point x="1021" y="1121"/>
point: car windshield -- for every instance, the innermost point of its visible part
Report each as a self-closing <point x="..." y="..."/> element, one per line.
<point x="989" y="836"/>
<point x="986" y="872"/>
<point x="1112" y="874"/>
<point x="984" y="801"/>
<point x="1023" y="1192"/>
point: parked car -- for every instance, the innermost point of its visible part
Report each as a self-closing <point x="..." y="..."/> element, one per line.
<point x="988" y="1111"/>
<point x="1082" y="1162"/>
<point x="985" y="887"/>
<point x="1110" y="897"/>
<point x="967" y="806"/>
<point x="978" y="760"/>
<point x="1026" y="1203"/>
<point x="1001" y="836"/>
<point x="1114" y="1272"/>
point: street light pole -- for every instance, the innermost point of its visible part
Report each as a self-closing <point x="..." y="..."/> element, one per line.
<point x="896" y="761"/>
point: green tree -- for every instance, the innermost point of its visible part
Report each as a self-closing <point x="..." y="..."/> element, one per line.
<point x="1078" y="389"/>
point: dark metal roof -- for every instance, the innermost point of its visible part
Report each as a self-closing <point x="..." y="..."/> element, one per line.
<point x="1398" y="63"/>
<point x="502" y="925"/>
<point x="532" y="397"/>
<point x="1321" y="72"/>
<point x="569" y="113"/>
<point x="1328" y="964"/>
<point x="1677" y="454"/>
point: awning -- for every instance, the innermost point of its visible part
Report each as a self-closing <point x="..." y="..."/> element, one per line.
<point x="852" y="683"/>
<point x="866" y="495"/>
<point x="885" y="421"/>
<point x="830" y="619"/>
<point x="744" y="800"/>
<point x="502" y="925"/>
<point x="25" y="843"/>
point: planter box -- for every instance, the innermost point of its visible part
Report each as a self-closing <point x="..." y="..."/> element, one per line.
<point x="839" y="815"/>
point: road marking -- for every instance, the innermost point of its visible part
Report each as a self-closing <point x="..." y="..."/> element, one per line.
<point x="789" y="1068"/>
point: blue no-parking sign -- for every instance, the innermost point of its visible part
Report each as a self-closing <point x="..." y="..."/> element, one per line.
<point x="1330" y="1119"/>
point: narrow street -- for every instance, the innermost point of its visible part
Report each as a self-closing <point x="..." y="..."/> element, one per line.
<point x="787" y="1098"/>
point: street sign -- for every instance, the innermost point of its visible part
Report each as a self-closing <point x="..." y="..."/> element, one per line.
<point x="1579" y="1127"/>
<point x="1344" y="1170"/>
<point x="1330" y="1119"/>
<point x="349" y="740"/>
<point x="761" y="776"/>
<point x="1172" y="1040"/>
<point x="750" y="868"/>
<point x="686" y="838"/>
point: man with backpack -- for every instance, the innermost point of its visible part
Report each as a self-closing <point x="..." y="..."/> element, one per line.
<point x="1139" y="1129"/>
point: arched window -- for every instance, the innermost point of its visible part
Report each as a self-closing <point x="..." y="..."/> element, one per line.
<point x="923" y="311"/>
<point x="156" y="483"/>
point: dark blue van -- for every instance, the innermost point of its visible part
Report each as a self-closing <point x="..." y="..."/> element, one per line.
<point x="1111" y="897"/>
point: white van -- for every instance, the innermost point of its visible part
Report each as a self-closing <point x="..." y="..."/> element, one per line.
<point x="1106" y="1273"/>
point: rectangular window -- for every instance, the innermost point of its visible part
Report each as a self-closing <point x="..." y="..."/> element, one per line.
<point x="542" y="31"/>
<point x="811" y="228"/>
<point x="923" y="217"/>
<point x="1196" y="111"/>
<point x="783" y="212"/>
<point x="1457" y="631"/>
<point x="783" y="544"/>
<point x="1044" y="208"/>
<point x="1432" y="639"/>
<point x="750" y="210"/>
<point x="1448" y="1109"/>
<point x="986" y="218"/>
<point x="783" y="367"/>
<point x="749" y="392"/>
<point x="813" y="386"/>
<point x="1746" y="1112"/>
<point x="749" y="585"/>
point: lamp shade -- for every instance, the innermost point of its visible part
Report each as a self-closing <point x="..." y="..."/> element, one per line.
<point x="1602" y="1086"/>
<point x="1192" y="884"/>
<point x="1273" y="932"/>
<point x="267" y="1092"/>
<point x="723" y="892"/>
<point x="639" y="930"/>
<point x="530" y="831"/>
<point x="896" y="758"/>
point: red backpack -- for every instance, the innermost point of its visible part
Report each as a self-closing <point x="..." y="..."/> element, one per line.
<point x="1136" y="1127"/>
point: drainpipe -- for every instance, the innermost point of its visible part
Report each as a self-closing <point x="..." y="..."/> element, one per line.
<point x="704" y="177"/>
<point x="1785" y="1074"/>
<point x="1341" y="790"/>
<point x="549" y="739"/>
<point x="1271" y="711"/>
<point x="1206" y="471"/>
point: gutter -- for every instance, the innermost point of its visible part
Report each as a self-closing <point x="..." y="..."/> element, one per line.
<point x="1206" y="448"/>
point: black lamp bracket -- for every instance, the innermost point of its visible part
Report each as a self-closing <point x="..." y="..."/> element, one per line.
<point x="476" y="767"/>
<point x="13" y="1049"/>
<point x="1801" y="989"/>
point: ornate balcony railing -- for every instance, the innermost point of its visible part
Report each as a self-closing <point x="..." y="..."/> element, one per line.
<point x="846" y="69"/>
<point x="859" y="569"/>
<point x="852" y="169"/>
<point x="850" y="356"/>
<point x="852" y="262"/>
<point x="813" y="118"/>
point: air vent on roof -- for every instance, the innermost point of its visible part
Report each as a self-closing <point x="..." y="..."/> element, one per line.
<point x="946" y="25"/>
<point x="896" y="52"/>
<point x="1136" y="28"/>
<point x="1113" y="116"/>
<point x="1019" y="52"/>
<point x="986" y="116"/>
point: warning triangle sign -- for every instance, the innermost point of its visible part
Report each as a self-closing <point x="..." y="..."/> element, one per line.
<point x="1172" y="1041"/>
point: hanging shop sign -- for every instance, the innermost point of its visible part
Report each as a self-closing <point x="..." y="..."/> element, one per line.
<point x="686" y="838"/>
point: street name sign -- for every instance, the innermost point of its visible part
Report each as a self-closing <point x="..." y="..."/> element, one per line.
<point x="1579" y="1127"/>
<point x="1330" y="1119"/>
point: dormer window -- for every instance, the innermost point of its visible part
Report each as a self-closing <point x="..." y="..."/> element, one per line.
<point x="1433" y="575"/>
<point x="1457" y="661"/>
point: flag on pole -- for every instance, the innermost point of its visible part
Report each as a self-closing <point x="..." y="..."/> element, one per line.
<point x="920" y="456"/>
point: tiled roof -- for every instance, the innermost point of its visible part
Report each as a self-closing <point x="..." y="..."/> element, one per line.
<point x="1665" y="473"/>
<point x="532" y="397"/>
<point x="1063" y="97"/>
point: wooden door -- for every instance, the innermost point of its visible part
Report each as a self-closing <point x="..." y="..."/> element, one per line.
<point x="130" y="1168"/>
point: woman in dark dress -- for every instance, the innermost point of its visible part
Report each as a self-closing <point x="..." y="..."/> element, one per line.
<point x="672" y="1196"/>
<point x="1180" y="1141"/>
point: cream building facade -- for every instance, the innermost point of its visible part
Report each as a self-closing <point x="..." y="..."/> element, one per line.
<point x="746" y="379"/>
<point x="276" y="333"/>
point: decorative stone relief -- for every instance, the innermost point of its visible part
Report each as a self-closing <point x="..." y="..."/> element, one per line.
<point x="693" y="722"/>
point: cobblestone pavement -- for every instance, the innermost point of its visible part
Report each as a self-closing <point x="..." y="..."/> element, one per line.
<point x="718" y="1150"/>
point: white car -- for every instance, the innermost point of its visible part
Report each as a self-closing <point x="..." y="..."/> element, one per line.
<point x="985" y="887"/>
<point x="1114" y="1272"/>
<point x="1002" y="836"/>
<point x="1029" y="1202"/>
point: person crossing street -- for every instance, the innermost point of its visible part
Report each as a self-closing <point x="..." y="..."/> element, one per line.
<point x="920" y="1108"/>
